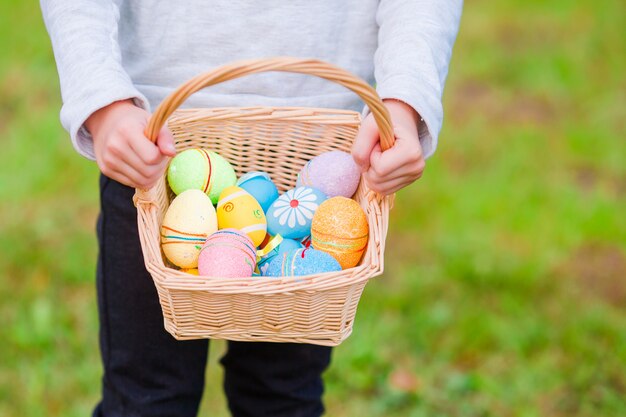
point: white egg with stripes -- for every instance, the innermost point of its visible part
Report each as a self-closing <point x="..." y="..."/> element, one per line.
<point x="188" y="221"/>
<point x="237" y="209"/>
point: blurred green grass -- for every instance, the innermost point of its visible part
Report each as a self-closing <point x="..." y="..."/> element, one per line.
<point x="505" y="284"/>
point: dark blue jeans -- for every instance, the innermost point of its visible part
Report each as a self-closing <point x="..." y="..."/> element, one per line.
<point x="149" y="373"/>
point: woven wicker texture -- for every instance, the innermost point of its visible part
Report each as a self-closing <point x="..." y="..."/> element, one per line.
<point x="316" y="309"/>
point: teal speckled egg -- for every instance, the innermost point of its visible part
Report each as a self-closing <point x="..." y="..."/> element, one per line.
<point x="261" y="187"/>
<point x="285" y="246"/>
<point x="300" y="262"/>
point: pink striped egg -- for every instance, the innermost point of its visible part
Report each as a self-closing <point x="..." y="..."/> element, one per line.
<point x="227" y="253"/>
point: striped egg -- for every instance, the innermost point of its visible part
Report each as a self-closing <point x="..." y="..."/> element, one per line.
<point x="237" y="209"/>
<point x="227" y="253"/>
<point x="340" y="229"/>
<point x="272" y="250"/>
<point x="298" y="262"/>
<point x="200" y="169"/>
<point x="189" y="219"/>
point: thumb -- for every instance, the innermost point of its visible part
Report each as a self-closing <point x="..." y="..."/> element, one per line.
<point x="364" y="143"/>
<point x="165" y="142"/>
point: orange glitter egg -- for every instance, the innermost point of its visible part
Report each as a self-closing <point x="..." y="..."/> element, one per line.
<point x="340" y="229"/>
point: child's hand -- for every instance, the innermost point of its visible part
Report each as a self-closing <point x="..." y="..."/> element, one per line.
<point x="122" y="151"/>
<point x="387" y="172"/>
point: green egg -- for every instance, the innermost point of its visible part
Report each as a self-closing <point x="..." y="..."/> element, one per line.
<point x="201" y="170"/>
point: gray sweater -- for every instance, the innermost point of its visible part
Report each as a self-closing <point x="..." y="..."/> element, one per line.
<point x="109" y="50"/>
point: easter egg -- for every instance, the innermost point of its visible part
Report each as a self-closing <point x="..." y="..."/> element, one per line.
<point x="334" y="173"/>
<point x="261" y="187"/>
<point x="237" y="209"/>
<point x="192" y="271"/>
<point x="302" y="261"/>
<point x="340" y="228"/>
<point x="200" y="169"/>
<point x="291" y="214"/>
<point x="188" y="221"/>
<point x="253" y="174"/>
<point x="227" y="253"/>
<point x="285" y="245"/>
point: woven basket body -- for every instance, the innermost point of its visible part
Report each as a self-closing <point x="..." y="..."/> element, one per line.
<point x="318" y="309"/>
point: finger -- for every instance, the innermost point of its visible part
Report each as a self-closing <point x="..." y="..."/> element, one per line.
<point x="375" y="173"/>
<point x="146" y="151"/>
<point x="394" y="161"/>
<point x="121" y="178"/>
<point x="112" y="171"/>
<point x="165" y="142"/>
<point x="365" y="140"/>
<point x="131" y="165"/>
<point x="137" y="179"/>
<point x="401" y="172"/>
<point x="390" y="186"/>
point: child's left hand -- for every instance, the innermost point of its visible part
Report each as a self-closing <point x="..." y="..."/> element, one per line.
<point x="387" y="172"/>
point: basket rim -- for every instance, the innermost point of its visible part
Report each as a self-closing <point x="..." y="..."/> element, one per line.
<point x="273" y="112"/>
<point x="306" y="115"/>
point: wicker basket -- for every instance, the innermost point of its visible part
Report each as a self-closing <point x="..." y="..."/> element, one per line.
<point x="316" y="309"/>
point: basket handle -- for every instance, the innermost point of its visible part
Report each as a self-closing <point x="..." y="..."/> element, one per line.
<point x="285" y="64"/>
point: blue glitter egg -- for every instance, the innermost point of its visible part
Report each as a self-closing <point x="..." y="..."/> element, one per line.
<point x="285" y="246"/>
<point x="292" y="213"/>
<point x="260" y="186"/>
<point x="300" y="262"/>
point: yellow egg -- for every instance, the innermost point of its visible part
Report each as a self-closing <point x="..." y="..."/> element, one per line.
<point x="340" y="229"/>
<point x="188" y="221"/>
<point x="192" y="271"/>
<point x="237" y="209"/>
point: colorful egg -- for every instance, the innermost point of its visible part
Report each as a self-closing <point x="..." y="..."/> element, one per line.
<point x="237" y="209"/>
<point x="253" y="174"/>
<point x="192" y="271"/>
<point x="200" y="169"/>
<point x="261" y="187"/>
<point x="188" y="221"/>
<point x="291" y="214"/>
<point x="298" y="262"/>
<point x="227" y="253"/>
<point x="340" y="229"/>
<point x="334" y="173"/>
<point x="285" y="245"/>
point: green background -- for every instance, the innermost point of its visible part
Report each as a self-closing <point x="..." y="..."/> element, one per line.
<point x="505" y="288"/>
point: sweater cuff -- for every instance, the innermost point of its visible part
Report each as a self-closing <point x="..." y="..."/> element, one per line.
<point x="423" y="100"/>
<point x="81" y="138"/>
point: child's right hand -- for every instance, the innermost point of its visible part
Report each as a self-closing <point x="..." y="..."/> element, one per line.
<point x="123" y="152"/>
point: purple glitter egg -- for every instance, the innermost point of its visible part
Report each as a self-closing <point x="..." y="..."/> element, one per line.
<point x="334" y="173"/>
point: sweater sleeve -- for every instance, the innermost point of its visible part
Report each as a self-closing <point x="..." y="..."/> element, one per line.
<point x="415" y="41"/>
<point x="84" y="39"/>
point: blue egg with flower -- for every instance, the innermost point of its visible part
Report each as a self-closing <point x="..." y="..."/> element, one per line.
<point x="260" y="186"/>
<point x="291" y="214"/>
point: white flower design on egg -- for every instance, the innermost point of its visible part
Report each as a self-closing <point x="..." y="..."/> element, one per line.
<point x="296" y="205"/>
